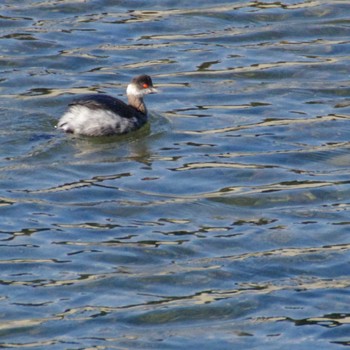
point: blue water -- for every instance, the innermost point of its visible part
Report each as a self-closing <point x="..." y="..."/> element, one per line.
<point x="222" y="224"/>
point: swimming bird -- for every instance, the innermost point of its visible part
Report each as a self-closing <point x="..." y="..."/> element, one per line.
<point x="102" y="115"/>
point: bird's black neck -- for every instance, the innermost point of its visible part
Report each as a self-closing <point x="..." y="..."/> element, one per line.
<point x="137" y="103"/>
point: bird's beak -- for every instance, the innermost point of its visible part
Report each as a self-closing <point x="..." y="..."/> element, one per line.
<point x="152" y="90"/>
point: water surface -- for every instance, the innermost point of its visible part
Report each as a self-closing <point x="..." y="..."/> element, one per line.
<point x="223" y="223"/>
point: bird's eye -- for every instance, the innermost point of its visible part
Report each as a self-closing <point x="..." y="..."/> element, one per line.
<point x="145" y="86"/>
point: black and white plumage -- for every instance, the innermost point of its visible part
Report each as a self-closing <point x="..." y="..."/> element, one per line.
<point x="102" y="115"/>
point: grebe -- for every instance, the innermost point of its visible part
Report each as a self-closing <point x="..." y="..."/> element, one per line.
<point x="102" y="115"/>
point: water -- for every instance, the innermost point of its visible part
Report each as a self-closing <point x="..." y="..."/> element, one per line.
<point x="223" y="224"/>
